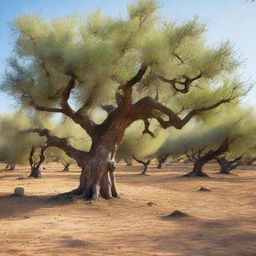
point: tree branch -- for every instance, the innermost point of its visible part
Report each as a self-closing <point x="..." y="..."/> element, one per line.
<point x="130" y="83"/>
<point x="65" y="95"/>
<point x="186" y="83"/>
<point x="146" y="130"/>
<point x="31" y="156"/>
<point x="42" y="155"/>
<point x="108" y="108"/>
<point x="149" y="108"/>
<point x="43" y="108"/>
<point x="54" y="141"/>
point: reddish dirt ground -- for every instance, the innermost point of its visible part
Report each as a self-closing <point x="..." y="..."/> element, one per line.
<point x="222" y="222"/>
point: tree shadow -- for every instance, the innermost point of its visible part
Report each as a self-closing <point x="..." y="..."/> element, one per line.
<point x="208" y="237"/>
<point x="174" y="173"/>
<point x="19" y="206"/>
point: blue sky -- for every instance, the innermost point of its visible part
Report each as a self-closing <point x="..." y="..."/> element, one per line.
<point x="233" y="20"/>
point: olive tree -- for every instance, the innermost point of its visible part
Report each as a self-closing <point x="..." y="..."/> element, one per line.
<point x="139" y="67"/>
<point x="14" y="148"/>
<point x="226" y="140"/>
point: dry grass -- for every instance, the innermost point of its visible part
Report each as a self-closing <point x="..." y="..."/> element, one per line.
<point x="221" y="222"/>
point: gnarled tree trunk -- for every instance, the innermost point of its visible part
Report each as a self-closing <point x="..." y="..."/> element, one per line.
<point x="145" y="164"/>
<point x="97" y="179"/>
<point x="161" y="160"/>
<point x="200" y="160"/>
<point x="197" y="169"/>
<point x="226" y="166"/>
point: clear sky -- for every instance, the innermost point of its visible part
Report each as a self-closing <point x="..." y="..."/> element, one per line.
<point x="233" y="20"/>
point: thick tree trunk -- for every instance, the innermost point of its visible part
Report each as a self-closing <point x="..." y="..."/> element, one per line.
<point x="197" y="170"/>
<point x="97" y="179"/>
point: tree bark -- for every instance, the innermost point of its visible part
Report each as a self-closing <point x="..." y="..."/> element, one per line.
<point x="161" y="161"/>
<point x="226" y="166"/>
<point x="97" y="177"/>
<point x="197" y="169"/>
<point x="145" y="164"/>
<point x="35" y="172"/>
<point x="200" y="161"/>
<point x="145" y="167"/>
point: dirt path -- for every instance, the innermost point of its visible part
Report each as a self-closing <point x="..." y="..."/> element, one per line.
<point x="222" y="222"/>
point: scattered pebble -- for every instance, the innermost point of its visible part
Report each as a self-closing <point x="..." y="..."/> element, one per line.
<point x="177" y="214"/>
<point x="19" y="191"/>
<point x="204" y="189"/>
<point x="151" y="203"/>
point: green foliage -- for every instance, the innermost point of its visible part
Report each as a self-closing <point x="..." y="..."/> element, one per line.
<point x="140" y="145"/>
<point x="15" y="145"/>
<point x="234" y="123"/>
<point x="104" y="52"/>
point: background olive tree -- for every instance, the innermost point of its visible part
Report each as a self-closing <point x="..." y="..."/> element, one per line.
<point x="227" y="136"/>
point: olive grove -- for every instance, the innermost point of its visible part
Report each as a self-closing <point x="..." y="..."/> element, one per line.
<point x="226" y="137"/>
<point x="17" y="146"/>
<point x="139" y="67"/>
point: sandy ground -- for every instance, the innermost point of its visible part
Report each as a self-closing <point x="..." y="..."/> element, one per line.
<point x="222" y="222"/>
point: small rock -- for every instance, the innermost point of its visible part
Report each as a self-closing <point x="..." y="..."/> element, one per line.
<point x="177" y="214"/>
<point x="202" y="189"/>
<point x="151" y="203"/>
<point x="19" y="191"/>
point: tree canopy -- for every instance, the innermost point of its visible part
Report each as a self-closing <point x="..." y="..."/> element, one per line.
<point x="136" y="67"/>
<point x="85" y="61"/>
